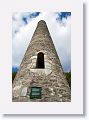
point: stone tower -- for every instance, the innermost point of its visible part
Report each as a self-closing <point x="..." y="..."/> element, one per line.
<point x="41" y="77"/>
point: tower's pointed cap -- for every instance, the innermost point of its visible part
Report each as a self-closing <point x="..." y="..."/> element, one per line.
<point x="41" y="22"/>
<point x="41" y="28"/>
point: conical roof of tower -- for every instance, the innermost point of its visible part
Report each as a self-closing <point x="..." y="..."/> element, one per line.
<point x="42" y="36"/>
<point x="41" y="28"/>
<point x="41" y="22"/>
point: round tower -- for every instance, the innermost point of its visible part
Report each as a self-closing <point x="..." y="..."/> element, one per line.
<point x="41" y="76"/>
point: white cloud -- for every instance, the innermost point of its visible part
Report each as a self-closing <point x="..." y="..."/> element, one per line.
<point x="60" y="33"/>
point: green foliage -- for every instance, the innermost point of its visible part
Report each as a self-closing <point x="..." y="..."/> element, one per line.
<point x="68" y="77"/>
<point x="13" y="75"/>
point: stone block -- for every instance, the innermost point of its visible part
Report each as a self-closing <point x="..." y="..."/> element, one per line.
<point x="24" y="91"/>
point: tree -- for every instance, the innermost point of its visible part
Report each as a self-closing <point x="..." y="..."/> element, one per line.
<point x="13" y="75"/>
<point x="68" y="77"/>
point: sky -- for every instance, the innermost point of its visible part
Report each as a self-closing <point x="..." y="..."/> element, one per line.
<point x="59" y="25"/>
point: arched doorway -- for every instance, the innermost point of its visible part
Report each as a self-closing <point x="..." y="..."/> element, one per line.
<point x="40" y="60"/>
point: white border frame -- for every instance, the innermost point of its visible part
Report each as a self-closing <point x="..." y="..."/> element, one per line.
<point x="76" y="104"/>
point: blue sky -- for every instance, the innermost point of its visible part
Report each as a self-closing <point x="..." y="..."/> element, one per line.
<point x="59" y="25"/>
<point x="62" y="15"/>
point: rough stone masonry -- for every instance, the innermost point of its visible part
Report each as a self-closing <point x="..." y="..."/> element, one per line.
<point x="41" y="77"/>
